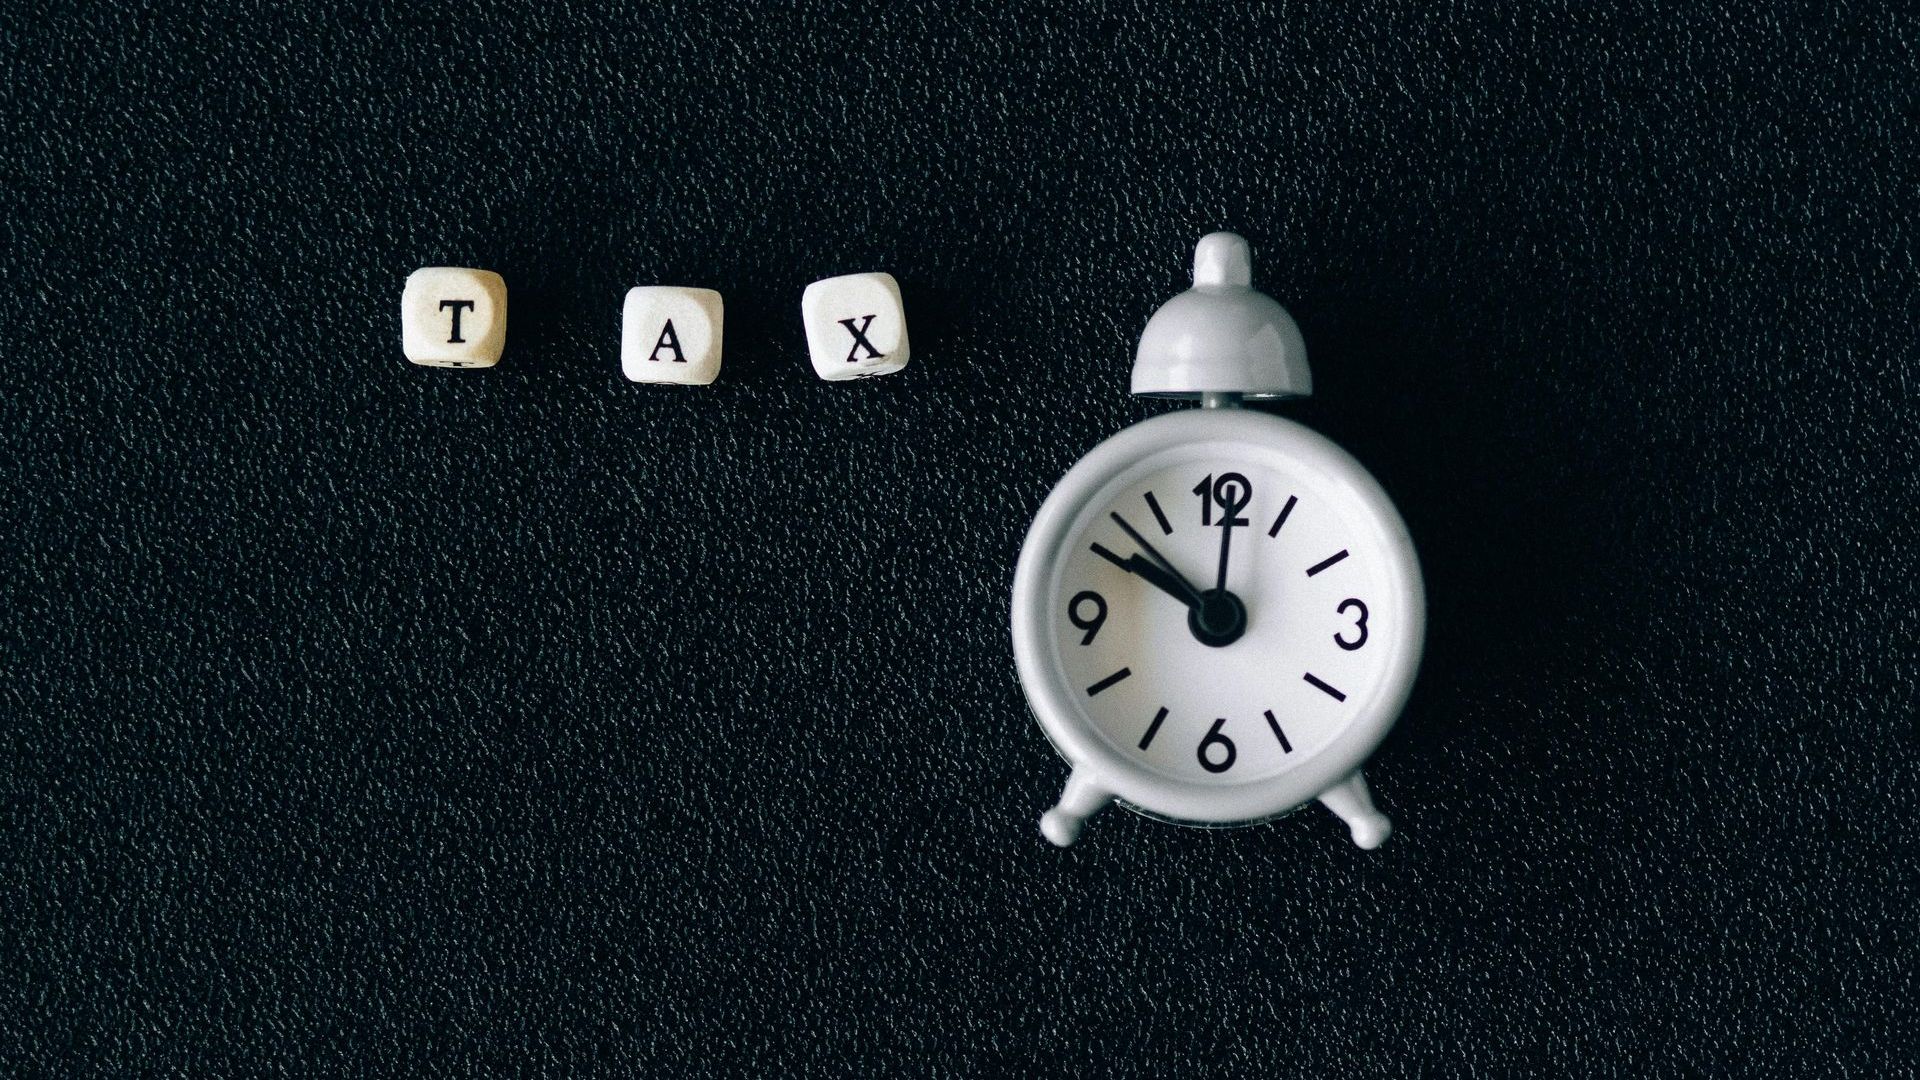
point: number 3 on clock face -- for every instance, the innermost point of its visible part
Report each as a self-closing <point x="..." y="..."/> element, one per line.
<point x="1232" y="616"/>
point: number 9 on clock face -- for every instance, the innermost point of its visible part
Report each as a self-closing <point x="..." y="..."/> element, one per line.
<point x="1224" y="617"/>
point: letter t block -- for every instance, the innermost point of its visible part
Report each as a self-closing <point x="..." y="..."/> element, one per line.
<point x="451" y="316"/>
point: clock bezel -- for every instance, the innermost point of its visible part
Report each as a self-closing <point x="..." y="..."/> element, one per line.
<point x="1050" y="694"/>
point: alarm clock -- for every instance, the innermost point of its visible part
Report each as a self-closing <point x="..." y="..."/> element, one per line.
<point x="1218" y="613"/>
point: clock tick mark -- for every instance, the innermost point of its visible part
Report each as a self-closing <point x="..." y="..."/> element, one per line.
<point x="1282" y="519"/>
<point x="1326" y="562"/>
<point x="1323" y="687"/>
<point x="1108" y="681"/>
<point x="1285" y="746"/>
<point x="1166" y="528"/>
<point x="1153" y="728"/>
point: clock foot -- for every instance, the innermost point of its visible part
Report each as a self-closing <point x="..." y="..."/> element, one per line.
<point x="1081" y="800"/>
<point x="1352" y="803"/>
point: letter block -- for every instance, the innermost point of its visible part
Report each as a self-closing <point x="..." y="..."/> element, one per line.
<point x="856" y="326"/>
<point x="452" y="316"/>
<point x="671" y="335"/>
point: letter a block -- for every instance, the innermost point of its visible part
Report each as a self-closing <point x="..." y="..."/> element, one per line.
<point x="671" y="335"/>
<point x="451" y="316"/>
<point x="856" y="326"/>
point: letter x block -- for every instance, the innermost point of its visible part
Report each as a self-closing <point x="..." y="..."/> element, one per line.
<point x="451" y="316"/>
<point x="671" y="335"/>
<point x="856" y="327"/>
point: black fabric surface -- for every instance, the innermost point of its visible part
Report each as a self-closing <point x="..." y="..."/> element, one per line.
<point x="367" y="717"/>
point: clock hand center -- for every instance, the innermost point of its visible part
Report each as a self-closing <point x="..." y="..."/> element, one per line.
<point x="1221" y="620"/>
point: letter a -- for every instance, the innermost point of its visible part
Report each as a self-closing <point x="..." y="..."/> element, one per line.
<point x="668" y="340"/>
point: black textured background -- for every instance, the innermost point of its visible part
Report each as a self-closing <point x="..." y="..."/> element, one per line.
<point x="366" y="716"/>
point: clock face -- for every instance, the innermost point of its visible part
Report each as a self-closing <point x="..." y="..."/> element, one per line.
<point x="1222" y="612"/>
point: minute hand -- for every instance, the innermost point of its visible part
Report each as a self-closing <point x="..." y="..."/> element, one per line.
<point x="1163" y="576"/>
<point x="1226" y="540"/>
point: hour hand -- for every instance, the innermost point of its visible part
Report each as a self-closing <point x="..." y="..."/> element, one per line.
<point x="1163" y="574"/>
<point x="1159" y="579"/>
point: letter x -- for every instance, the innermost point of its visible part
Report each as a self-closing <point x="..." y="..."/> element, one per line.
<point x="860" y="340"/>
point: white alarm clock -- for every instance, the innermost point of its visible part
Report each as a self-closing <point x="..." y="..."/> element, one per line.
<point x="1218" y="614"/>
